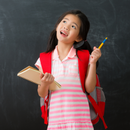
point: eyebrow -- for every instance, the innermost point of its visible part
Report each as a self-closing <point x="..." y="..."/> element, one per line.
<point x="73" y="22"/>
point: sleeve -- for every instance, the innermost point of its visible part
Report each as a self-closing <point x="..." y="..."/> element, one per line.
<point x="38" y="63"/>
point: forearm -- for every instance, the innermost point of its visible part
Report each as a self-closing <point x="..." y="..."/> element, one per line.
<point x="42" y="90"/>
<point x="90" y="81"/>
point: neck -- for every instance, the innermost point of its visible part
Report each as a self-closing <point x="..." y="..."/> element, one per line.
<point x="63" y="50"/>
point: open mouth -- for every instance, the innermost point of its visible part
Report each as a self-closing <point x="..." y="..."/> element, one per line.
<point x="63" y="33"/>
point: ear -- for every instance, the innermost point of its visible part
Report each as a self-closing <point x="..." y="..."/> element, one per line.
<point x="78" y="39"/>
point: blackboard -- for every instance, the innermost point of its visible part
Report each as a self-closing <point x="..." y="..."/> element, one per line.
<point x="25" y="26"/>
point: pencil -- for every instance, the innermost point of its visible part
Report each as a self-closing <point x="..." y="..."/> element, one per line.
<point x="102" y="43"/>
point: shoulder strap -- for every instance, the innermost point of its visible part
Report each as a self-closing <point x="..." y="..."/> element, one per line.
<point x="83" y="59"/>
<point x="45" y="59"/>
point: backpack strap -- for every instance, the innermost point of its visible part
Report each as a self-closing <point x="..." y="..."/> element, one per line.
<point x="45" y="59"/>
<point x="97" y="109"/>
<point x="95" y="105"/>
<point x="83" y="60"/>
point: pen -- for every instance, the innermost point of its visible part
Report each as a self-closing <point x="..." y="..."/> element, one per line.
<point x="102" y="43"/>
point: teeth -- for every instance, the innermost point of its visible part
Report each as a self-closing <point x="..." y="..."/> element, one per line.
<point x="63" y="33"/>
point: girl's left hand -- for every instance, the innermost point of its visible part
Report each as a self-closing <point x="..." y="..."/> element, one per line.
<point x="95" y="55"/>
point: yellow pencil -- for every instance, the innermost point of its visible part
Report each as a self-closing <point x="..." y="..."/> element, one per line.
<point x="102" y="43"/>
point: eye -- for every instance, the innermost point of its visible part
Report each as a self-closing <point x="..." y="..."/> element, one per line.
<point x="73" y="27"/>
<point x="64" y="21"/>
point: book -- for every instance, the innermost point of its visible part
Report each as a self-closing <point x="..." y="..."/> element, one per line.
<point x="33" y="75"/>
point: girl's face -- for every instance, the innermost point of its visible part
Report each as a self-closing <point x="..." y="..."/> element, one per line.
<point x="68" y="29"/>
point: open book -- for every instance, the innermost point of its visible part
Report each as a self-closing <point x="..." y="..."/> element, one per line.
<point x="31" y="74"/>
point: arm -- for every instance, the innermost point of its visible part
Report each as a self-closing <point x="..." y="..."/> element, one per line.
<point x="46" y="80"/>
<point x="90" y="80"/>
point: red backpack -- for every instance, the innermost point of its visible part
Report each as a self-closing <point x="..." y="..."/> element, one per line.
<point x="96" y="98"/>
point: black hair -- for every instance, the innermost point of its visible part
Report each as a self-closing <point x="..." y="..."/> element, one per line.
<point x="85" y="25"/>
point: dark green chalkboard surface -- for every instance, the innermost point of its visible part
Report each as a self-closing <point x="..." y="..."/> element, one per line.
<point x="25" y="26"/>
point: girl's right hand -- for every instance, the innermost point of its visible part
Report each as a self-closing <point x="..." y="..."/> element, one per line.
<point x="46" y="79"/>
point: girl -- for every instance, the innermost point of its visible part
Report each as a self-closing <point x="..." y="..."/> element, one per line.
<point x="69" y="109"/>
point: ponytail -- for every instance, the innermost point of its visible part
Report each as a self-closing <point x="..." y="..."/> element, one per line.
<point x="52" y="42"/>
<point x="85" y="46"/>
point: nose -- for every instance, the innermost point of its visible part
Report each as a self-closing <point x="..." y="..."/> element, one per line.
<point x="66" y="27"/>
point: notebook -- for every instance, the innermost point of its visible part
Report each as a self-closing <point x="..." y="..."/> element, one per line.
<point x="33" y="75"/>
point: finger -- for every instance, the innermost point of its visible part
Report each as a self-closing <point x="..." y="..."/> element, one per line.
<point x="96" y="51"/>
<point x="47" y="76"/>
<point x="44" y="77"/>
<point x="94" y="47"/>
<point x="41" y="75"/>
<point x="50" y="78"/>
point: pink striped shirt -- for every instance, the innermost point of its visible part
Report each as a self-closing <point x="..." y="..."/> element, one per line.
<point x="69" y="108"/>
